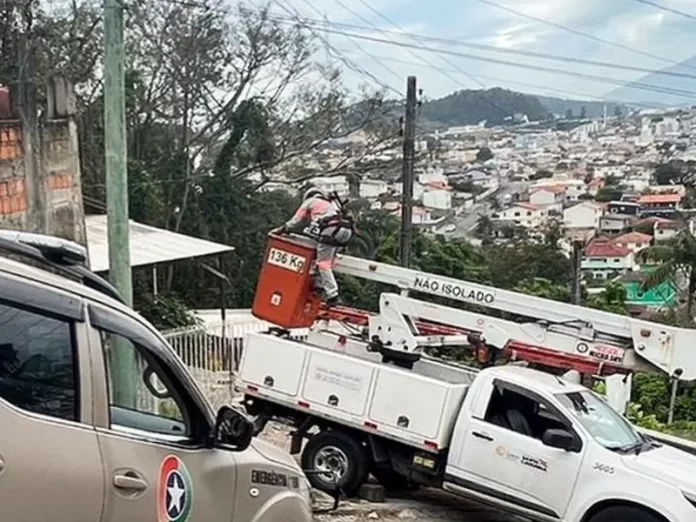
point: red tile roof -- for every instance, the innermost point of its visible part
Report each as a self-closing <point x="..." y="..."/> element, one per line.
<point x="633" y="237"/>
<point x="659" y="198"/>
<point x="605" y="248"/>
<point x="554" y="189"/>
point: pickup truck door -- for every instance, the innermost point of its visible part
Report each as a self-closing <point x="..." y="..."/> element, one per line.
<point x="50" y="466"/>
<point x="510" y="463"/>
<point x="152" y="437"/>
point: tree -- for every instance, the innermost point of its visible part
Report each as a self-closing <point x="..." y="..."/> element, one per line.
<point x="676" y="262"/>
<point x="583" y="112"/>
<point x="569" y="114"/>
<point x="618" y="113"/>
<point x="484" y="154"/>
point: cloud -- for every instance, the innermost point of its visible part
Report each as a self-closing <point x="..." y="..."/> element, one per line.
<point x="623" y="21"/>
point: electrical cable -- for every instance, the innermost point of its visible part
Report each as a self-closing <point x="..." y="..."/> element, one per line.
<point x="581" y="33"/>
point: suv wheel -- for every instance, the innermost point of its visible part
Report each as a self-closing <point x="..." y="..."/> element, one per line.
<point x="625" y="514"/>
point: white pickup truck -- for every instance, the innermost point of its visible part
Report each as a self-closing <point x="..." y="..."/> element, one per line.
<point x="521" y="440"/>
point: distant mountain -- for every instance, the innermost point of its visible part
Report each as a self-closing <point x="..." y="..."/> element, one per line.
<point x="498" y="106"/>
<point x="636" y="92"/>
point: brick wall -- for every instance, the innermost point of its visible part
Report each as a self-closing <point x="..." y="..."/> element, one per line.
<point x="57" y="183"/>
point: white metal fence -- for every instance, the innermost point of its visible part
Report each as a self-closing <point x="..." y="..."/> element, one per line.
<point x="212" y="353"/>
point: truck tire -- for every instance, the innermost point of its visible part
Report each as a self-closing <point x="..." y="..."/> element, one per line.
<point x="337" y="452"/>
<point x="625" y="514"/>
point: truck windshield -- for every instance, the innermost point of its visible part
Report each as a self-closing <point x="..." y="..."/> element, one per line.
<point x="606" y="425"/>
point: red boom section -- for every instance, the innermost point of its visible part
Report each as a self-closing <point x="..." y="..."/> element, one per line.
<point x="517" y="350"/>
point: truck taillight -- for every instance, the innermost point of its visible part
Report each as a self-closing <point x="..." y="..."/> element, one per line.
<point x="303" y="404"/>
<point x="252" y="388"/>
<point x="370" y="425"/>
<point x="430" y="445"/>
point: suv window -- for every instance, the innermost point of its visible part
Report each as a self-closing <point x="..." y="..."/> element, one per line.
<point x="524" y="415"/>
<point x="140" y="400"/>
<point x="37" y="363"/>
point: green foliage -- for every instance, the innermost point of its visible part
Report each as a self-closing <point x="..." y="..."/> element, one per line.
<point x="484" y="154"/>
<point x="472" y="106"/>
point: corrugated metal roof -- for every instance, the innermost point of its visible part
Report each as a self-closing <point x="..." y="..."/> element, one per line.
<point x="148" y="245"/>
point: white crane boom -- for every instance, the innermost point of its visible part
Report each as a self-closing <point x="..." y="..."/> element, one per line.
<point x="550" y="328"/>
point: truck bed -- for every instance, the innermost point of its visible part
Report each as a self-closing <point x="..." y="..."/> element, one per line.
<point x="352" y="387"/>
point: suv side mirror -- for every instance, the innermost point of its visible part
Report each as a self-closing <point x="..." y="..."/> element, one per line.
<point x="232" y="428"/>
<point x="561" y="439"/>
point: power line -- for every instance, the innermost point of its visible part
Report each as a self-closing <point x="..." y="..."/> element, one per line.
<point x="424" y="60"/>
<point x="347" y="62"/>
<point x="518" y="52"/>
<point x="473" y="78"/>
<point x="376" y="60"/>
<point x="581" y="33"/>
<point x="667" y="9"/>
<point x="582" y="96"/>
<point x="601" y="79"/>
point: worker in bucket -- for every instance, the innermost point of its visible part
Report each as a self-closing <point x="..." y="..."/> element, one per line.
<point x="322" y="218"/>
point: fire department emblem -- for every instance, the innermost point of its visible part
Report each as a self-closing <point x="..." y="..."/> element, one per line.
<point x="174" y="491"/>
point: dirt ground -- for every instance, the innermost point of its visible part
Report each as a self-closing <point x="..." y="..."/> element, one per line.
<point x="427" y="505"/>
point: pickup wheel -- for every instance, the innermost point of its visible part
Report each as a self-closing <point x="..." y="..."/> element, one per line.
<point x="340" y="456"/>
<point x="624" y="514"/>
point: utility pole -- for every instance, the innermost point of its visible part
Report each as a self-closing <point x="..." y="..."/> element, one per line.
<point x="123" y="363"/>
<point x="576" y="259"/>
<point x="407" y="173"/>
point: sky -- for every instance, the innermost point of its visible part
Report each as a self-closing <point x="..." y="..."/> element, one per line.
<point x="629" y="23"/>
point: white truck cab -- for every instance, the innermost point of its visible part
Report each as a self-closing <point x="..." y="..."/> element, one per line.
<point x="555" y="450"/>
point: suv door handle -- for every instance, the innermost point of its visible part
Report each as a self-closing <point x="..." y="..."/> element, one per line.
<point x="129" y="482"/>
<point x="483" y="436"/>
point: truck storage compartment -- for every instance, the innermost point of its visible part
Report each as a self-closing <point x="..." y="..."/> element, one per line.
<point x="410" y="402"/>
<point x="273" y="364"/>
<point x="338" y="381"/>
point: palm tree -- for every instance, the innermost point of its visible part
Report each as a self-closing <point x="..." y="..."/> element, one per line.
<point x="484" y="226"/>
<point x="676" y="263"/>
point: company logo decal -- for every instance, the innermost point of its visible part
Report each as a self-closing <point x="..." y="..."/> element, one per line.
<point x="174" y="491"/>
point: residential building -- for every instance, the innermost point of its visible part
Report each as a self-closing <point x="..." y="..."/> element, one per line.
<point x="659" y="204"/>
<point x="604" y="260"/>
<point x="522" y="214"/>
<point x="548" y="196"/>
<point x="583" y="215"/>
<point x="437" y="195"/>
<point x="634" y="241"/>
<point x="373" y="188"/>
<point x="614" y="224"/>
<point x="594" y="186"/>
<point x="664" y="230"/>
<point x="338" y="184"/>
<point x="627" y="208"/>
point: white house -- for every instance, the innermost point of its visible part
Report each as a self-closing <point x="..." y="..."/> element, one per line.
<point x="583" y="215"/>
<point x="432" y="175"/>
<point x="634" y="241"/>
<point x="373" y="188"/>
<point x="547" y="196"/>
<point x="338" y="184"/>
<point x="522" y="214"/>
<point x="437" y="195"/>
<point x="664" y="230"/>
<point x="605" y="260"/>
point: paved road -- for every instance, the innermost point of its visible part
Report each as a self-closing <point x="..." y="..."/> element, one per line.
<point x="466" y="222"/>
